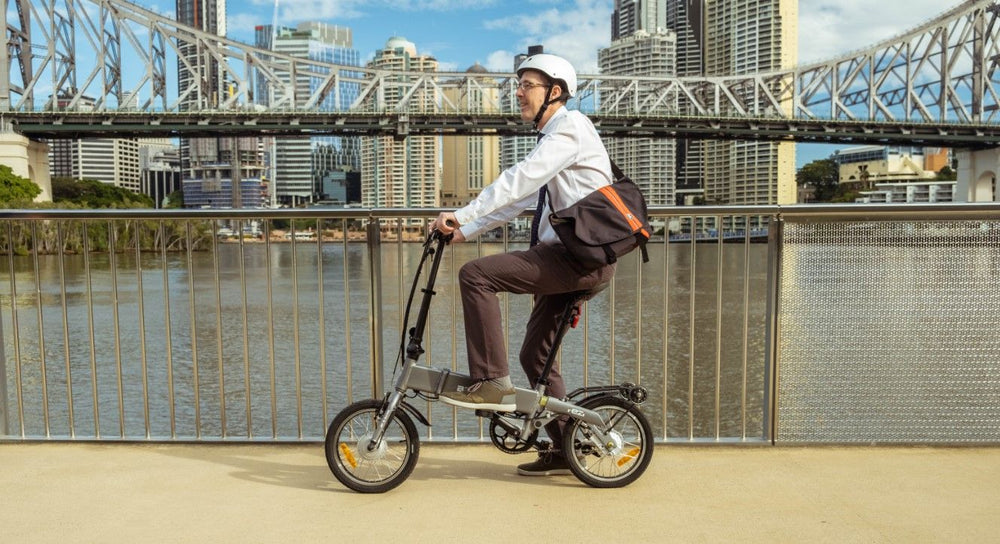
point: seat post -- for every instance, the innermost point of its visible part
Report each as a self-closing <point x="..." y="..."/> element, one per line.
<point x="565" y="322"/>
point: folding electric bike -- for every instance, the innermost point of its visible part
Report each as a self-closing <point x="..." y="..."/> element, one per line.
<point x="372" y="445"/>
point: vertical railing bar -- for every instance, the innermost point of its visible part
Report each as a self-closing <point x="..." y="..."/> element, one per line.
<point x="246" y="333"/>
<point x="270" y="327"/>
<point x="169" y="332"/>
<point x="666" y="326"/>
<point x="430" y="344"/>
<point x="775" y="246"/>
<point x="113" y="262"/>
<point x="4" y="423"/>
<point x="142" y="330"/>
<point x="746" y="326"/>
<point x="90" y="330"/>
<point x="322" y="322"/>
<point x="506" y="337"/>
<point x="611" y="330"/>
<point x="220" y="357"/>
<point x="16" y="325"/>
<point x="638" y="318"/>
<point x="375" y="304"/>
<point x="456" y="311"/>
<point x="296" y="352"/>
<point x="41" y="330"/>
<point x="194" y="333"/>
<point x="718" y="326"/>
<point x="349" y="375"/>
<point x="692" y="286"/>
<point x="586" y="340"/>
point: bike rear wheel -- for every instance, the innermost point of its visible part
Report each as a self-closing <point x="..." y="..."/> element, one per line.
<point x="630" y="454"/>
<point x="369" y="467"/>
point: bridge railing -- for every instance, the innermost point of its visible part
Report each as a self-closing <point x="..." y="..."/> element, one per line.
<point x="841" y="324"/>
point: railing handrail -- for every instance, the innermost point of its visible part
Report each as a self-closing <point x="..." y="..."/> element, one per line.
<point x="952" y="210"/>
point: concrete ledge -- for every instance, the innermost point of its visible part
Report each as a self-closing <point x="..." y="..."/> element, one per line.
<point x="69" y="492"/>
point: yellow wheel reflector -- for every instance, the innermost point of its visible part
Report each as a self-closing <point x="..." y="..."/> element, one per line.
<point x="348" y="456"/>
<point x="625" y="458"/>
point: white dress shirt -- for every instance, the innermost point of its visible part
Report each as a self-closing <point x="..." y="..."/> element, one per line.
<point x="569" y="157"/>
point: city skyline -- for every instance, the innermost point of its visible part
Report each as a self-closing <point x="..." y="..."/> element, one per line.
<point x="460" y="33"/>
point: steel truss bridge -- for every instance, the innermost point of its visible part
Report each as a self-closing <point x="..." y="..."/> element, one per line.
<point x="114" y="68"/>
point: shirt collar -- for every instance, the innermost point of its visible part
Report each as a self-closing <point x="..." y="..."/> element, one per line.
<point x="548" y="125"/>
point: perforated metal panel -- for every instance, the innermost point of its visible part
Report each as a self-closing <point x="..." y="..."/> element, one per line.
<point x="889" y="332"/>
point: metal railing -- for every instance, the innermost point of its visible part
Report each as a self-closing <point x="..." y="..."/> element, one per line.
<point x="231" y="325"/>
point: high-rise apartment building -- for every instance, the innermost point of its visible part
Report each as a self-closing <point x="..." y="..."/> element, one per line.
<point x="686" y="18"/>
<point x="402" y="173"/>
<point x="651" y="162"/>
<point x="296" y="176"/>
<point x="746" y="37"/>
<point x="220" y="171"/>
<point x="470" y="162"/>
<point x="114" y="161"/>
<point x="631" y="16"/>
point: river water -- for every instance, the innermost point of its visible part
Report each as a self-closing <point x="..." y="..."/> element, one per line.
<point x="285" y="331"/>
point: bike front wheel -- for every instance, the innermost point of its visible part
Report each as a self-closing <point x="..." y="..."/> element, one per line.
<point x="630" y="452"/>
<point x="358" y="461"/>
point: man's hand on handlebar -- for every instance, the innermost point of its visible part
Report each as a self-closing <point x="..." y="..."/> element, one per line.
<point x="447" y="224"/>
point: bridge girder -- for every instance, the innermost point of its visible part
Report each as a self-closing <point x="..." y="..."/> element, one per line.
<point x="942" y="73"/>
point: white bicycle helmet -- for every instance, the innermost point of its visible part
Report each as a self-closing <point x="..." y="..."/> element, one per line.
<point x="557" y="68"/>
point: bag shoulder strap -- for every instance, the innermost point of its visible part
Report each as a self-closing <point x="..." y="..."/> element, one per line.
<point x="616" y="171"/>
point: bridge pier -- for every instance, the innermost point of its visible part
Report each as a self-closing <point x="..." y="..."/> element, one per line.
<point x="977" y="175"/>
<point x="27" y="158"/>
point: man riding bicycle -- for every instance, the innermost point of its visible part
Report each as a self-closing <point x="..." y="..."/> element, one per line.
<point x="568" y="162"/>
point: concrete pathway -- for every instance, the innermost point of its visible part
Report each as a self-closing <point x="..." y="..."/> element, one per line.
<point x="132" y="493"/>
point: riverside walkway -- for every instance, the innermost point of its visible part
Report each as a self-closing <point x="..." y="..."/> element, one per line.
<point x="106" y="493"/>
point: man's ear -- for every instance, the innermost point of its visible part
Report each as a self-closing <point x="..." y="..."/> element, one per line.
<point x="555" y="92"/>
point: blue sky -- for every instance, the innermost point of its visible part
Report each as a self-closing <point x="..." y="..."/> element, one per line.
<point x="459" y="33"/>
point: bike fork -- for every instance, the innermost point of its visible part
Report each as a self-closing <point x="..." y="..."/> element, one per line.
<point x="391" y="404"/>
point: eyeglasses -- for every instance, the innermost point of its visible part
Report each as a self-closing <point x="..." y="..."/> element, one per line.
<point x="528" y="85"/>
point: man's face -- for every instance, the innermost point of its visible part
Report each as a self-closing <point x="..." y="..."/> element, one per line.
<point x="531" y="94"/>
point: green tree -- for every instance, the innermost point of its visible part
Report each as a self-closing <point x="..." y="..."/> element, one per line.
<point x="175" y="199"/>
<point x="946" y="174"/>
<point x="15" y="189"/>
<point x="823" y="176"/>
<point x="91" y="193"/>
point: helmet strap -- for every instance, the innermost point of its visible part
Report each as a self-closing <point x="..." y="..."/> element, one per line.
<point x="545" y="106"/>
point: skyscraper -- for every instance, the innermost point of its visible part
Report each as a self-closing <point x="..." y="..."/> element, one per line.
<point x="686" y="18"/>
<point x="642" y="46"/>
<point x="296" y="175"/>
<point x="401" y="173"/>
<point x="470" y="162"/>
<point x="114" y="161"/>
<point x="746" y="37"/>
<point x="216" y="172"/>
<point x="649" y="161"/>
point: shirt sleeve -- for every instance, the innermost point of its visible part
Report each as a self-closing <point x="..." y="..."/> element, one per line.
<point x="517" y="188"/>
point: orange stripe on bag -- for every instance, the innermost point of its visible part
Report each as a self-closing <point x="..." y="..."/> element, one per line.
<point x="633" y="223"/>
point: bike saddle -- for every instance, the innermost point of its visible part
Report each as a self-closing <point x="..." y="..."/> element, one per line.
<point x="579" y="297"/>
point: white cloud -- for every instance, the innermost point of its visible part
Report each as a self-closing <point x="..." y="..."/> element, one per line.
<point x="575" y="31"/>
<point x="832" y="28"/>
<point x="500" y="61"/>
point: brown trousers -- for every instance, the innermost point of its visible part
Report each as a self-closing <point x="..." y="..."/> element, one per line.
<point x="546" y="271"/>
